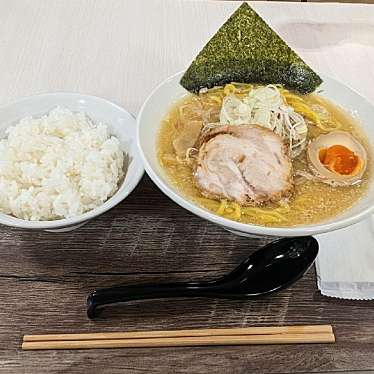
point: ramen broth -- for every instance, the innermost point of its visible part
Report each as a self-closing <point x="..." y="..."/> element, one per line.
<point x="311" y="201"/>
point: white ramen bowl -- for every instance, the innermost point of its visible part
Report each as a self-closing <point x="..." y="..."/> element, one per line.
<point x="163" y="96"/>
<point x="120" y="123"/>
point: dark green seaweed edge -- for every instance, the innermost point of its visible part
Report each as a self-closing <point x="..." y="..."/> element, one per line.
<point x="291" y="71"/>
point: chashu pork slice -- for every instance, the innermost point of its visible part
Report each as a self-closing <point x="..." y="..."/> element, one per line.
<point x="247" y="164"/>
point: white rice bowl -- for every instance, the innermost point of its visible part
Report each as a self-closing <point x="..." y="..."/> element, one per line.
<point x="58" y="166"/>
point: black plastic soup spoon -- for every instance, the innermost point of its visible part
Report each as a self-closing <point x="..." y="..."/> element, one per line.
<point x="271" y="268"/>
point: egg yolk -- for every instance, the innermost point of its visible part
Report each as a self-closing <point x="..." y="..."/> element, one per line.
<point x="339" y="159"/>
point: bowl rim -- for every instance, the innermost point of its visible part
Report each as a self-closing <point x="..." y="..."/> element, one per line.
<point x="107" y="205"/>
<point x="234" y="225"/>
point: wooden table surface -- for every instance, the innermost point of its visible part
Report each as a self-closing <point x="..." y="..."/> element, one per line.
<point x="120" y="50"/>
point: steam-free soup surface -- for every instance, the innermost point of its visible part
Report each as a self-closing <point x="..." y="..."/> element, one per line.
<point x="311" y="202"/>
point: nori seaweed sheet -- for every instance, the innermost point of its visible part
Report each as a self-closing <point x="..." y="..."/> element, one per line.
<point x="245" y="49"/>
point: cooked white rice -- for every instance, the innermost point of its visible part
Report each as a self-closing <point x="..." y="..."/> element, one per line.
<point x="57" y="166"/>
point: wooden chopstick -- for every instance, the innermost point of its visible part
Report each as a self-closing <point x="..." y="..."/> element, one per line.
<point x="182" y="341"/>
<point x="311" y="329"/>
<point x="203" y="337"/>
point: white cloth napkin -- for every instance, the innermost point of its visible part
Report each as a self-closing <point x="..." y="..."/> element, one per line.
<point x="345" y="263"/>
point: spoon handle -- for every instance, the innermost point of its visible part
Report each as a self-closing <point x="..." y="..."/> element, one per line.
<point x="122" y="294"/>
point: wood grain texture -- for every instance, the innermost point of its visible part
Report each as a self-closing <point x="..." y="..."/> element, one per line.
<point x="44" y="280"/>
<point x="120" y="50"/>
